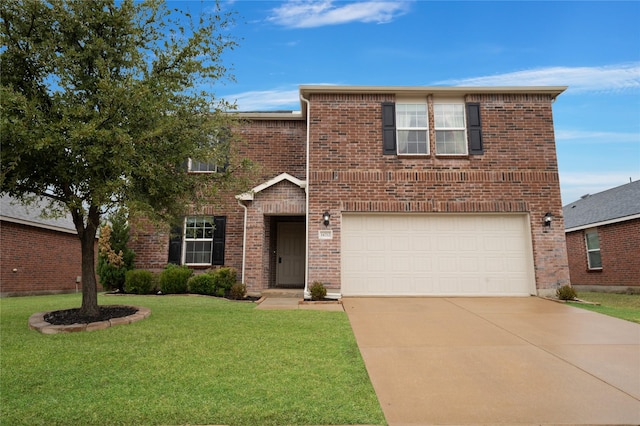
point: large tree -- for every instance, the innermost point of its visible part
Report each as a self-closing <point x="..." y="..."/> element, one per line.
<point x="102" y="102"/>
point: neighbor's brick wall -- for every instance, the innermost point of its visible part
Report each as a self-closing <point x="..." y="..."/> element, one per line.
<point x="619" y="252"/>
<point x="517" y="173"/>
<point x="46" y="261"/>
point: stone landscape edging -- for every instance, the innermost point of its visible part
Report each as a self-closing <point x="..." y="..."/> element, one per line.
<point x="38" y="323"/>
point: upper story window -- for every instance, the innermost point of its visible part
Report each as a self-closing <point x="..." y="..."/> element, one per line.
<point x="457" y="126"/>
<point x="412" y="129"/>
<point x="594" y="260"/>
<point x="449" y="121"/>
<point x="203" y="166"/>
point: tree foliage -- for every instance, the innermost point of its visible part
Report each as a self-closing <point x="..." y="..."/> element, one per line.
<point x="102" y="102"/>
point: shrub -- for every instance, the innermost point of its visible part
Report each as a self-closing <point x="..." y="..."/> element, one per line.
<point x="225" y="278"/>
<point x="114" y="257"/>
<point x="238" y="291"/>
<point x="201" y="284"/>
<point x="173" y="280"/>
<point x="318" y="291"/>
<point x="138" y="281"/>
<point x="566" y="292"/>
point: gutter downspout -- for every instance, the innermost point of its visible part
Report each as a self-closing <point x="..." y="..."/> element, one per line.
<point x="244" y="239"/>
<point x="307" y="294"/>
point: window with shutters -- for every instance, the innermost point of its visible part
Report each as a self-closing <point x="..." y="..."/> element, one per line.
<point x="594" y="260"/>
<point x="412" y="129"/>
<point x="451" y="134"/>
<point x="457" y="126"/>
<point x="200" y="241"/>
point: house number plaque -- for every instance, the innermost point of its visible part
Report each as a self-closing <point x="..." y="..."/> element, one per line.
<point x="325" y="234"/>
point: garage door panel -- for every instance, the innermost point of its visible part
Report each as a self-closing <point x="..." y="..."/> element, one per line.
<point x="436" y="255"/>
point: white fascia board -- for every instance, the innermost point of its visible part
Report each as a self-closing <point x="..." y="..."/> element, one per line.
<point x="38" y="225"/>
<point x="248" y="196"/>
<point x="605" y="222"/>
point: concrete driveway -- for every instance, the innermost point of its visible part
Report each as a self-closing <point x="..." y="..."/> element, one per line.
<point x="497" y="361"/>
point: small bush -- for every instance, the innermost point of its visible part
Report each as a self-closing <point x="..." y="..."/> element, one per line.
<point x="225" y="278"/>
<point x="138" y="281"/>
<point x="238" y="291"/>
<point x="318" y="291"/>
<point x="201" y="284"/>
<point x="566" y="292"/>
<point x="173" y="280"/>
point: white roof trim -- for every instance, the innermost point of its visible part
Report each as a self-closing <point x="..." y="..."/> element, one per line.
<point x="605" y="222"/>
<point x="38" y="225"/>
<point x="248" y="196"/>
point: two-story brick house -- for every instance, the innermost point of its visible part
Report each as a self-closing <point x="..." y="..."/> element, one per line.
<point x="390" y="191"/>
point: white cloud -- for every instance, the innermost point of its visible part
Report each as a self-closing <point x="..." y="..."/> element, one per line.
<point x="266" y="100"/>
<point x="574" y="185"/>
<point x="609" y="78"/>
<point x="317" y="13"/>
<point x="596" y="137"/>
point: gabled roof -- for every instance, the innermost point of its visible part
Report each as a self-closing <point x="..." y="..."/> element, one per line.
<point x="12" y="210"/>
<point x="248" y="196"/>
<point x="613" y="205"/>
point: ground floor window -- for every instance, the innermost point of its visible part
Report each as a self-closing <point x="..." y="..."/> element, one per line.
<point x="594" y="259"/>
<point x="199" y="241"/>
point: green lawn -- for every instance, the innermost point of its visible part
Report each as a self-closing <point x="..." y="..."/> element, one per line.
<point x="625" y="306"/>
<point x="195" y="360"/>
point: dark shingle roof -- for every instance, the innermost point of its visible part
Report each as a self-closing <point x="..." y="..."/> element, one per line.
<point x="12" y="211"/>
<point x="614" y="203"/>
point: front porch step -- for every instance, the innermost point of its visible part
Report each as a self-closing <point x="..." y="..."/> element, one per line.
<point x="297" y="293"/>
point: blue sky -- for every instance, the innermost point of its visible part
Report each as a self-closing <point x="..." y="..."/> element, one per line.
<point x="592" y="47"/>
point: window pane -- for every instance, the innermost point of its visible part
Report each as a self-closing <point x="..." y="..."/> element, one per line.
<point x="593" y="242"/>
<point x="203" y="166"/>
<point x="595" y="261"/>
<point x="412" y="142"/>
<point x="448" y="115"/>
<point x="198" y="252"/>
<point x="411" y="115"/>
<point x="450" y="142"/>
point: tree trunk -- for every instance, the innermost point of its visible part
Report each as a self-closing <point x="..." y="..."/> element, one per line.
<point x="87" y="236"/>
<point x="89" y="286"/>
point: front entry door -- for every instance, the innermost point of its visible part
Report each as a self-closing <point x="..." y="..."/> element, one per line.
<point x="290" y="254"/>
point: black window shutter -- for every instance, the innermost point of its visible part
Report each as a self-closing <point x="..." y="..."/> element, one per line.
<point x="175" y="245"/>
<point x="389" y="128"/>
<point x="219" y="223"/>
<point x="474" y="128"/>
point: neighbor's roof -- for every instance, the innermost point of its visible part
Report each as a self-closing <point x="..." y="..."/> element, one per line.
<point x="306" y="90"/>
<point x="12" y="211"/>
<point x="613" y="205"/>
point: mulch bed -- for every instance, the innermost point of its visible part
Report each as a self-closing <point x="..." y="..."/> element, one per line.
<point x="72" y="316"/>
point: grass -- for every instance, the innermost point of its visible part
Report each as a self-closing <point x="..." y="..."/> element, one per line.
<point x="195" y="360"/>
<point x="624" y="306"/>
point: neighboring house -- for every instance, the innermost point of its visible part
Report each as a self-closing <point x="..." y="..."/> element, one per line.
<point x="603" y="239"/>
<point x="388" y="191"/>
<point x="37" y="255"/>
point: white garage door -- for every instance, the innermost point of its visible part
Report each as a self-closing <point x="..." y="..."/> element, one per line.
<point x="436" y="254"/>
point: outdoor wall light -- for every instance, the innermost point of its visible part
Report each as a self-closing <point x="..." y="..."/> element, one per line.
<point x="547" y="219"/>
<point x="325" y="218"/>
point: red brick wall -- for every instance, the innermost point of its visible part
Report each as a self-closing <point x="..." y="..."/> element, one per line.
<point x="45" y="261"/>
<point x="517" y="173"/>
<point x="619" y="252"/>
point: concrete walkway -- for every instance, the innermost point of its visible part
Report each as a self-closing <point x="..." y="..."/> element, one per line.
<point x="497" y="361"/>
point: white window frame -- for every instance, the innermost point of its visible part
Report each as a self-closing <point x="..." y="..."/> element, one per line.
<point x="212" y="166"/>
<point x="462" y="129"/>
<point x="588" y="232"/>
<point x="186" y="240"/>
<point x="424" y="129"/>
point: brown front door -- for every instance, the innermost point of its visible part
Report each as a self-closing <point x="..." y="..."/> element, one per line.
<point x="290" y="254"/>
